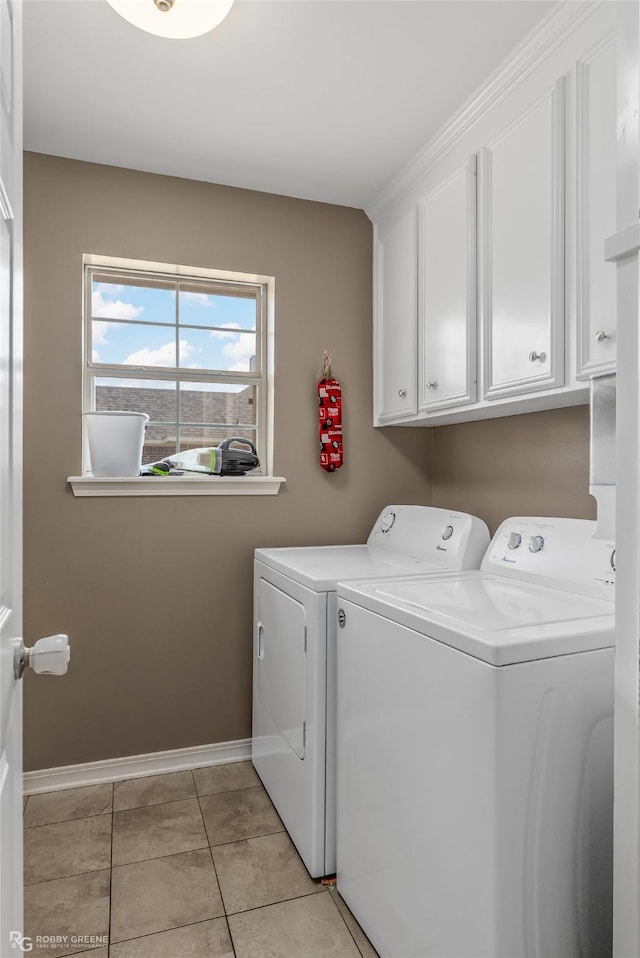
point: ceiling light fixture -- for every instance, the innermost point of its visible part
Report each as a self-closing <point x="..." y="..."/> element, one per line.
<point x="175" y="19"/>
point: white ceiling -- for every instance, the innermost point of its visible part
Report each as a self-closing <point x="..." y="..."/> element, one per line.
<point x="321" y="99"/>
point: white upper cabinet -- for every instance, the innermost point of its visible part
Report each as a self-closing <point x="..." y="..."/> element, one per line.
<point x="492" y="293"/>
<point x="523" y="252"/>
<point x="596" y="208"/>
<point x="395" y="304"/>
<point x="447" y="292"/>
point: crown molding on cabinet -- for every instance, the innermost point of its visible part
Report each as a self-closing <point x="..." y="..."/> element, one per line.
<point x="527" y="56"/>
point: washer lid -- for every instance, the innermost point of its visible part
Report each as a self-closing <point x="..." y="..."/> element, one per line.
<point x="321" y="567"/>
<point x="492" y="618"/>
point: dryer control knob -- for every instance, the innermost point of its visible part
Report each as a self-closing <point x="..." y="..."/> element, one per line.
<point x="387" y="521"/>
<point x="536" y="543"/>
<point x="514" y="540"/>
<point x="448" y="532"/>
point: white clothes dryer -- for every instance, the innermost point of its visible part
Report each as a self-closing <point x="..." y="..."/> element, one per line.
<point x="475" y="751"/>
<point x="293" y="745"/>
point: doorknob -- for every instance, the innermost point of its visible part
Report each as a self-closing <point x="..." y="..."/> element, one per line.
<point x="49" y="656"/>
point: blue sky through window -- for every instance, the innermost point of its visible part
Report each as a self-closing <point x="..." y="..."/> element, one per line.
<point x="116" y="341"/>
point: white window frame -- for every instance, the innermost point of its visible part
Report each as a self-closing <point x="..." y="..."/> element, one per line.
<point x="263" y="482"/>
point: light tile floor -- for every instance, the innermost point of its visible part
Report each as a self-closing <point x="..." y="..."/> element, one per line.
<point x="184" y="865"/>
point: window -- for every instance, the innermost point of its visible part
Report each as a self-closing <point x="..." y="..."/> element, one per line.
<point x="188" y="347"/>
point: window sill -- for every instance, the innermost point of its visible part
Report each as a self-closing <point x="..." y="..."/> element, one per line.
<point x="176" y="485"/>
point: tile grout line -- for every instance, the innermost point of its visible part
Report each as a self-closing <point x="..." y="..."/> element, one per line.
<point x="215" y="870"/>
<point x="152" y="934"/>
<point x="66" y="821"/>
<point x="280" y="901"/>
<point x="358" y="949"/>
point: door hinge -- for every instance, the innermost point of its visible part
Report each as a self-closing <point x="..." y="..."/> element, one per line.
<point x="305" y="638"/>
<point x="304" y="734"/>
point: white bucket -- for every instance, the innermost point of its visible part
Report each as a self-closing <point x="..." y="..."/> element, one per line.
<point x="115" y="442"/>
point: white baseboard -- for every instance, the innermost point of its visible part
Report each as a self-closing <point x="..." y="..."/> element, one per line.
<point x="136" y="766"/>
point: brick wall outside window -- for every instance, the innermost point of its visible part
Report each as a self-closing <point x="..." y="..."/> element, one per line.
<point x="196" y="406"/>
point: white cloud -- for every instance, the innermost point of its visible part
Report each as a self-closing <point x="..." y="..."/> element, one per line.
<point x="219" y="334"/>
<point x="109" y="287"/>
<point x="170" y="384"/>
<point x="144" y="384"/>
<point x="202" y="299"/>
<point x="95" y="356"/>
<point x="99" y="332"/>
<point x="162" y="356"/>
<point x="240" y="352"/>
<point x="113" y="309"/>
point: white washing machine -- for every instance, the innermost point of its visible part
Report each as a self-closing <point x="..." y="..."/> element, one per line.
<point x="293" y="746"/>
<point x="475" y="751"/>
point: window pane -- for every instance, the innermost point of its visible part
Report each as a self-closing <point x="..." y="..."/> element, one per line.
<point x="193" y="437"/>
<point x="152" y="301"/>
<point x="157" y="399"/>
<point x="215" y="349"/>
<point x="159" y="442"/>
<point x="217" y="404"/>
<point x="132" y="345"/>
<point x="199" y="308"/>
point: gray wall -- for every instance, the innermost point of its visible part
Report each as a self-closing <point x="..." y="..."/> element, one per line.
<point x="156" y="594"/>
<point x="531" y="465"/>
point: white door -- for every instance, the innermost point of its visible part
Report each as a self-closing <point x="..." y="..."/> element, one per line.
<point x="10" y="475"/>
<point x="523" y="249"/>
<point x="447" y="292"/>
<point x="623" y="249"/>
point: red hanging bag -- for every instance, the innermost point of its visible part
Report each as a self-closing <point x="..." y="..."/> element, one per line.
<point x="330" y="419"/>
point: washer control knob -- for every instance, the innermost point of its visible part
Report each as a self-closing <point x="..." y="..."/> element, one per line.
<point x="448" y="532"/>
<point x="536" y="543"/>
<point x="342" y="618"/>
<point x="613" y="560"/>
<point x="514" y="540"/>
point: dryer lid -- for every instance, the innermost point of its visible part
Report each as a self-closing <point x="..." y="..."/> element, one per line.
<point x="320" y="568"/>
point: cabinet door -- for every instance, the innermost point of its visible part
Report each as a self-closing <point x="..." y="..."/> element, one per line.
<point x="447" y="292"/>
<point x="395" y="320"/>
<point x="596" y="209"/>
<point x="523" y="274"/>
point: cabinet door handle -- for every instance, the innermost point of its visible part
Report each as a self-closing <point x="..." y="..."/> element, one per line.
<point x="535" y="357"/>
<point x="402" y="393"/>
<point x="600" y="336"/>
<point x="431" y="385"/>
